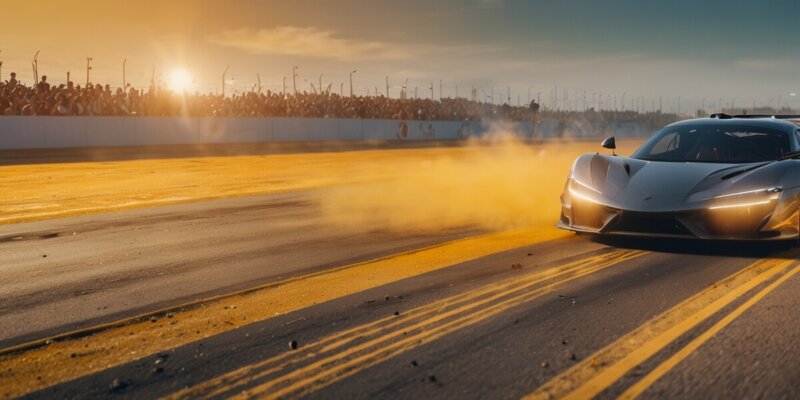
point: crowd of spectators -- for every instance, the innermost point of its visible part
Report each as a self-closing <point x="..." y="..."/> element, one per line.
<point x="101" y="100"/>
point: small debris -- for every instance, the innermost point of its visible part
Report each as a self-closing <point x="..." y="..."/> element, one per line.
<point x="387" y="298"/>
<point x="293" y="344"/>
<point x="73" y="355"/>
<point x="153" y="319"/>
<point x="117" y="385"/>
<point x="432" y="378"/>
<point x="158" y="370"/>
<point x="573" y="357"/>
<point x="530" y="254"/>
<point x="516" y="266"/>
<point x="44" y="255"/>
<point x="544" y="364"/>
<point x="414" y="363"/>
<point x="397" y="313"/>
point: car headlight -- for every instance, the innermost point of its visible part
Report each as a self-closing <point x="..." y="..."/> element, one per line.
<point x="749" y="198"/>
<point x="583" y="191"/>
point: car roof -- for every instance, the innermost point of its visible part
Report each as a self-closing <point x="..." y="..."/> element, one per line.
<point x="789" y="125"/>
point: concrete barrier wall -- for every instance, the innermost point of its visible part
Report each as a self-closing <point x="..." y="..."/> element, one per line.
<point x="60" y="132"/>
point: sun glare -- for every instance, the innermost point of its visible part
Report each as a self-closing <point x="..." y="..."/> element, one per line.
<point x="180" y="80"/>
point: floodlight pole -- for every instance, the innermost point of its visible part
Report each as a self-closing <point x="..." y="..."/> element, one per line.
<point x="258" y="76"/>
<point x="294" y="79"/>
<point x="88" y="68"/>
<point x="124" y="81"/>
<point x="284" y="86"/>
<point x="351" y="81"/>
<point x="223" y="80"/>
<point x="36" y="66"/>
<point x="387" y="86"/>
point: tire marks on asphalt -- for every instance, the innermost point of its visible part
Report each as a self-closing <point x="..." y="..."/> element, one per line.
<point x="605" y="367"/>
<point x="347" y="353"/>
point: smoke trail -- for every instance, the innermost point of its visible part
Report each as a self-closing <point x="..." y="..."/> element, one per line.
<point x="496" y="183"/>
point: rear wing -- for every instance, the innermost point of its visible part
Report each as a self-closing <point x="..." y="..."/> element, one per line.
<point x="776" y="116"/>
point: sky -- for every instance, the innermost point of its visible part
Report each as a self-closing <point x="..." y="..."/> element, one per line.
<point x="703" y="52"/>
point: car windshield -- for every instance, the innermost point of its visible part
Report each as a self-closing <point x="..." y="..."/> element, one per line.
<point x="715" y="144"/>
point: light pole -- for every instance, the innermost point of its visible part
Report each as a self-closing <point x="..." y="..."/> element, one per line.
<point x="258" y="76"/>
<point x="88" y="68"/>
<point x="124" y="81"/>
<point x="623" y="100"/>
<point x="351" y="81"/>
<point x="284" y="86"/>
<point x="508" y="93"/>
<point x="387" y="86"/>
<point x="36" y="67"/>
<point x="223" y="80"/>
<point x="320" y="83"/>
<point x="294" y="79"/>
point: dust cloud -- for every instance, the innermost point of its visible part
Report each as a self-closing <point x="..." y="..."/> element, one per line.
<point x="495" y="183"/>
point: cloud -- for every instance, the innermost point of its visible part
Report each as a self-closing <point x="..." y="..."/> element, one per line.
<point x="767" y="64"/>
<point x="489" y="3"/>
<point x="318" y="43"/>
<point x="308" y="41"/>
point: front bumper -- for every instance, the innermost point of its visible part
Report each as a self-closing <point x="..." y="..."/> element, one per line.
<point x="777" y="221"/>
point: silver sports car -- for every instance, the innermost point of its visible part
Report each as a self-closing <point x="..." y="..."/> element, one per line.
<point x="724" y="177"/>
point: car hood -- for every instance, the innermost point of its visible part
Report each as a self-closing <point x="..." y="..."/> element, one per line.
<point x="655" y="186"/>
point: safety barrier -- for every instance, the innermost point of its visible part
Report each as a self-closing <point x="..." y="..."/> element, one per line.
<point x="29" y="132"/>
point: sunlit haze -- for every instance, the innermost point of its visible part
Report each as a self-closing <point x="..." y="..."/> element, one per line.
<point x="723" y="51"/>
<point x="180" y="80"/>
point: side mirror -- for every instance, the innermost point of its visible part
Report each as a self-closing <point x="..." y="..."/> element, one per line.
<point x="610" y="143"/>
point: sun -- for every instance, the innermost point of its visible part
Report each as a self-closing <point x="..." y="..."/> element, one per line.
<point x="180" y="80"/>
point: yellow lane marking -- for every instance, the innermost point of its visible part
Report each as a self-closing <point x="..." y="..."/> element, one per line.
<point x="348" y="336"/>
<point x="380" y="340"/>
<point x="35" y="366"/>
<point x="603" y="368"/>
<point x="639" y="387"/>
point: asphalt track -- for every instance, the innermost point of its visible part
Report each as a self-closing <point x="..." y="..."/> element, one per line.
<point x="219" y="290"/>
